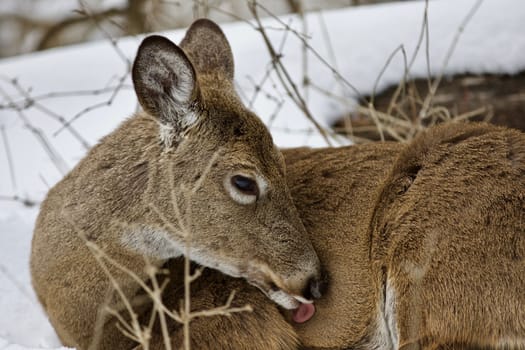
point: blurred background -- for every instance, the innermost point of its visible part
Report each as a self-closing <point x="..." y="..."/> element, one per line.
<point x="32" y="25"/>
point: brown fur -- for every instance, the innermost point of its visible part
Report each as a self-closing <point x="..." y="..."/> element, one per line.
<point x="444" y="227"/>
<point x="438" y="224"/>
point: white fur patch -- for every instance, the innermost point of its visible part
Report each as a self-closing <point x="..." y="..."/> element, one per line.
<point x="182" y="91"/>
<point x="151" y="242"/>
<point x="238" y="196"/>
<point x="166" y="133"/>
<point x="207" y="260"/>
<point x="159" y="244"/>
<point x="390" y="314"/>
<point x="302" y="300"/>
<point x="189" y="119"/>
<point x="284" y="299"/>
<point x="385" y="335"/>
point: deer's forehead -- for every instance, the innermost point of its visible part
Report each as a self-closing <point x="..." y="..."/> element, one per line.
<point x="256" y="153"/>
<point x="241" y="126"/>
<point x="240" y="132"/>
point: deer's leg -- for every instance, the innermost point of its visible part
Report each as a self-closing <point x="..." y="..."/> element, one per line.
<point x="263" y="328"/>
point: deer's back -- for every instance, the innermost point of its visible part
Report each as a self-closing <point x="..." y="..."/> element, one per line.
<point x="439" y="222"/>
<point x="449" y="230"/>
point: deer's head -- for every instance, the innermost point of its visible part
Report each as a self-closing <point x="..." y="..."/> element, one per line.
<point x="240" y="215"/>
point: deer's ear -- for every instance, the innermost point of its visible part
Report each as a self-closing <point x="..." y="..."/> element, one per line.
<point x="165" y="83"/>
<point x="208" y="48"/>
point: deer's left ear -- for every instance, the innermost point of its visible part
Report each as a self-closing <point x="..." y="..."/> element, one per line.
<point x="208" y="49"/>
<point x="166" y="84"/>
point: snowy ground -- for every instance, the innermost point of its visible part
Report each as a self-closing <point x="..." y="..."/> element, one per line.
<point x="361" y="39"/>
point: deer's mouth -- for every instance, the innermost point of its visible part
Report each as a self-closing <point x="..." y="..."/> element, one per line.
<point x="279" y="290"/>
<point x="301" y="308"/>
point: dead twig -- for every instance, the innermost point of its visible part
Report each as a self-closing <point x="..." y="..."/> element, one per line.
<point x="285" y="78"/>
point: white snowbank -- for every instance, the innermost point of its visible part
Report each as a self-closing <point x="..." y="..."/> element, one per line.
<point x="362" y="39"/>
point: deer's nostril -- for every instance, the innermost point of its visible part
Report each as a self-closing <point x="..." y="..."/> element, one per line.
<point x="315" y="289"/>
<point x="316" y="286"/>
<point x="312" y="289"/>
<point x="324" y="281"/>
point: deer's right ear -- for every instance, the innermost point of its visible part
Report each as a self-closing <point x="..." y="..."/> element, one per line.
<point x="166" y="84"/>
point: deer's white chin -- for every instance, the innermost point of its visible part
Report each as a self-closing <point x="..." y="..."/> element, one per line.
<point x="283" y="299"/>
<point x="287" y="301"/>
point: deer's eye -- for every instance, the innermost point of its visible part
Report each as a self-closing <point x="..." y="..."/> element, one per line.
<point x="245" y="185"/>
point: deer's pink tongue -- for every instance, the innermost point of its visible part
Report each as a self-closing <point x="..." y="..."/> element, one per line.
<point x="303" y="313"/>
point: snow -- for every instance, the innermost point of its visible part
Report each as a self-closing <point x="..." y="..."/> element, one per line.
<point x="361" y="38"/>
<point x="57" y="9"/>
<point x="21" y="321"/>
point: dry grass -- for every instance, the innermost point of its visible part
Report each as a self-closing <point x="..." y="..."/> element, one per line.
<point x="410" y="110"/>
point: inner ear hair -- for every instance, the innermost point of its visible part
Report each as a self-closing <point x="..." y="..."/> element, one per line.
<point x="166" y="85"/>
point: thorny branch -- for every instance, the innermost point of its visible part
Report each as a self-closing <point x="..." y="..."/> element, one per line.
<point x="285" y="78"/>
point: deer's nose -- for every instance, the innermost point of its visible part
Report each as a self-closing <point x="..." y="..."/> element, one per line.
<point x="316" y="286"/>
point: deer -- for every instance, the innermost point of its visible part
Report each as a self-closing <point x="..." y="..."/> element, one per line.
<point x="421" y="244"/>
<point x="193" y="133"/>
